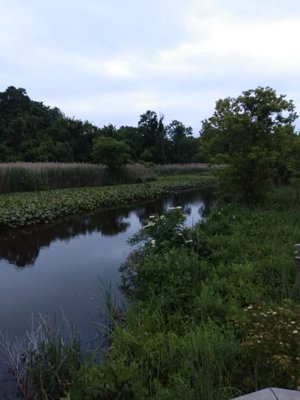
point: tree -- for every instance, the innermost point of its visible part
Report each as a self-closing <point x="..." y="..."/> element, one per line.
<point x="251" y="136"/>
<point x="110" y="152"/>
<point x="153" y="133"/>
<point x="182" y="143"/>
<point x="134" y="139"/>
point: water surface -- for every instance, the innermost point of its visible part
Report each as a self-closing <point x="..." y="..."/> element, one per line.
<point x="48" y="268"/>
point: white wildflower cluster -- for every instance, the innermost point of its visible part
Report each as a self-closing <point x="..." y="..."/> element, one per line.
<point x="175" y="208"/>
<point x="150" y="223"/>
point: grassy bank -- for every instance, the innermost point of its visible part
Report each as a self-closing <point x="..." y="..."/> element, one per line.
<point x="213" y="311"/>
<point x="28" y="208"/>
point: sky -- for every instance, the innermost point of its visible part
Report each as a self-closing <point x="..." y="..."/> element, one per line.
<point x="109" y="61"/>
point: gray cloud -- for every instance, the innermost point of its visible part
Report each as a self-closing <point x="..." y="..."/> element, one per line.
<point x="108" y="61"/>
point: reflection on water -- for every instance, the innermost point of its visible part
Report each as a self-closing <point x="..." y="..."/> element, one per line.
<point x="46" y="268"/>
<point x="21" y="247"/>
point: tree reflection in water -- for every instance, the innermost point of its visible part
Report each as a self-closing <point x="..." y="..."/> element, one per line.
<point x="21" y="247"/>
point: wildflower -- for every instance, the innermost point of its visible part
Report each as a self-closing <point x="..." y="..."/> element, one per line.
<point x="293" y="322"/>
<point x="148" y="225"/>
<point x="274" y="312"/>
<point x="162" y="217"/>
<point x="295" y="331"/>
<point x="250" y="307"/>
<point x="153" y="243"/>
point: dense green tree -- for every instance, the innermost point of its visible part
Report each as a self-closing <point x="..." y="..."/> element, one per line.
<point x="132" y="136"/>
<point x="31" y="131"/>
<point x="153" y="132"/>
<point x="110" y="152"/>
<point x="251" y="136"/>
<point x="183" y="144"/>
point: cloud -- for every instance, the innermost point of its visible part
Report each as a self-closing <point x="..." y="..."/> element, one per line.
<point x="110" y="61"/>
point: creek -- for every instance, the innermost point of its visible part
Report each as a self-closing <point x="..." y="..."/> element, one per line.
<point x="50" y="268"/>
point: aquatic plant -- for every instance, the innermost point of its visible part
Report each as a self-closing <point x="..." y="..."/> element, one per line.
<point x="44" y="361"/>
<point x="22" y="209"/>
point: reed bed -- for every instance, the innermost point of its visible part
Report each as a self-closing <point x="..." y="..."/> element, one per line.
<point x="172" y="169"/>
<point x="24" y="177"/>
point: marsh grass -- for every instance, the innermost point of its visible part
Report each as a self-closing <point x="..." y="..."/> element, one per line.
<point x="20" y="177"/>
<point x="43" y="361"/>
<point x="175" y="169"/>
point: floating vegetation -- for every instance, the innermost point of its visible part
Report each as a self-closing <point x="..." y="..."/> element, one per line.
<point x="22" y="209"/>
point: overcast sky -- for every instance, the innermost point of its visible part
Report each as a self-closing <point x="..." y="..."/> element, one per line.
<point x="108" y="61"/>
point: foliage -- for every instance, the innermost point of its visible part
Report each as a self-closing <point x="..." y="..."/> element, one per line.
<point x="21" y="209"/>
<point x="33" y="132"/>
<point x="252" y="136"/>
<point x="187" y="334"/>
<point x="271" y="345"/>
<point x="110" y="152"/>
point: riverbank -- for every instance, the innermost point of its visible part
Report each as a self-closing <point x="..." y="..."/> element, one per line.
<point x="213" y="312"/>
<point x="29" y="208"/>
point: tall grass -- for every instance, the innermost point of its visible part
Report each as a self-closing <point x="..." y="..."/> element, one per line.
<point x="175" y="169"/>
<point x="23" y="177"/>
<point x="43" y="361"/>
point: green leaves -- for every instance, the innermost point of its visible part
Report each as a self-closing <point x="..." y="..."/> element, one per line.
<point x="253" y="134"/>
<point x="110" y="152"/>
<point x="21" y="209"/>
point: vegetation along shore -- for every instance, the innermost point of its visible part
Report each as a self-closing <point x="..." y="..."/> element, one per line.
<point x="28" y="208"/>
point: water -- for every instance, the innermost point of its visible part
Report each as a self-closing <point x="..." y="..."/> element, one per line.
<point x="49" y="268"/>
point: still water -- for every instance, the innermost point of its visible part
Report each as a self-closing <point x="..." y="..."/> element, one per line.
<point x="49" y="268"/>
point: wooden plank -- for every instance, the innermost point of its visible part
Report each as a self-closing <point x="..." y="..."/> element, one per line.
<point x="271" y="394"/>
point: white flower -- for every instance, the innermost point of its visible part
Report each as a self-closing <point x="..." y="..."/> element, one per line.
<point x="148" y="225"/>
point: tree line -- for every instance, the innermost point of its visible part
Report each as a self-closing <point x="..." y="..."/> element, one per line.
<point x="32" y="131"/>
<point x="252" y="137"/>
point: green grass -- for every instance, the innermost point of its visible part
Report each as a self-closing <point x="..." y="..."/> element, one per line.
<point x="213" y="310"/>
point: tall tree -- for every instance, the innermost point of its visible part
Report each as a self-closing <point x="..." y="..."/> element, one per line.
<point x="251" y="136"/>
<point x="182" y="144"/>
<point x="153" y="132"/>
